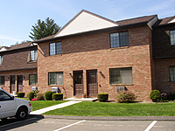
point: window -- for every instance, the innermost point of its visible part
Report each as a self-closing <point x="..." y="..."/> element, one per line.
<point x="1" y="59"/>
<point x="4" y="96"/>
<point x="172" y="37"/>
<point x="33" y="55"/>
<point x="33" y="79"/>
<point x="119" y="39"/>
<point x="2" y="80"/>
<point x="121" y="75"/>
<point x="56" y="78"/>
<point x="55" y="48"/>
<point x="172" y="73"/>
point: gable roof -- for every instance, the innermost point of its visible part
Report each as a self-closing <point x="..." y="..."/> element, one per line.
<point x="84" y="22"/>
<point x="165" y="21"/>
<point x="136" y="20"/>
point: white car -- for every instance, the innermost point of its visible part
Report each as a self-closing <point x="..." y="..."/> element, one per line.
<point x="11" y="106"/>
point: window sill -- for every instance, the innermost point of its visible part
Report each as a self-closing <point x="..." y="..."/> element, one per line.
<point x="117" y="48"/>
<point x="122" y="84"/>
<point x="56" y="85"/>
<point x="34" y="61"/>
<point x="56" y="55"/>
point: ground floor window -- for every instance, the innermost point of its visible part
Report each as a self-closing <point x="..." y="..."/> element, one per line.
<point x="121" y="75"/>
<point x="2" y="80"/>
<point x="172" y="73"/>
<point x="33" y="79"/>
<point x="55" y="78"/>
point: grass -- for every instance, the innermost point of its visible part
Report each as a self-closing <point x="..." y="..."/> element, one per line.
<point x="116" y="109"/>
<point x="42" y="104"/>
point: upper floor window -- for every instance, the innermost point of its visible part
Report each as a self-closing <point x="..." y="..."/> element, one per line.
<point x="56" y="78"/>
<point x="172" y="73"/>
<point x="121" y="75"/>
<point x="55" y="48"/>
<point x="33" y="55"/>
<point x="172" y="37"/>
<point x="119" y="39"/>
<point x="1" y="59"/>
<point x="2" y="80"/>
<point x="33" y="79"/>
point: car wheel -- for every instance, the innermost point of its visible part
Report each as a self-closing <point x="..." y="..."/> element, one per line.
<point x="21" y="114"/>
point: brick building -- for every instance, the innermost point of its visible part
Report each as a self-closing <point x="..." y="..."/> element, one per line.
<point x="17" y="64"/>
<point x="92" y="54"/>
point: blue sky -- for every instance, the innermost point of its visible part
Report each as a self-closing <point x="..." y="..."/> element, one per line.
<point x="18" y="16"/>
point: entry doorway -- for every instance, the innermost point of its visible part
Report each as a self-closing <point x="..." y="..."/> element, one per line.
<point x="19" y="83"/>
<point x="78" y="83"/>
<point x="92" y="85"/>
<point x="12" y="84"/>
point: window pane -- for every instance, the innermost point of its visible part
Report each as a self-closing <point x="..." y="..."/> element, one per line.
<point x="114" y="40"/>
<point x="1" y="59"/>
<point x="52" y="48"/>
<point x="56" y="78"/>
<point x="33" y="79"/>
<point x="121" y="76"/>
<point x="33" y="55"/>
<point x="172" y="37"/>
<point x="58" y="48"/>
<point x="124" y="39"/>
<point x="2" y="80"/>
<point x="172" y="73"/>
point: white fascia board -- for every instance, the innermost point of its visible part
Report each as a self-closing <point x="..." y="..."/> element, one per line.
<point x="3" y="49"/>
<point x="85" y="22"/>
<point x="172" y="21"/>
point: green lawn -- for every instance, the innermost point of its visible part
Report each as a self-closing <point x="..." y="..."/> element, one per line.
<point x="116" y="109"/>
<point x="42" y="104"/>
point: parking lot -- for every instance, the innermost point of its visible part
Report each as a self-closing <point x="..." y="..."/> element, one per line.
<point x="49" y="124"/>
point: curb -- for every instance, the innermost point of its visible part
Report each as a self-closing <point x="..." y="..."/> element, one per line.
<point x="99" y="118"/>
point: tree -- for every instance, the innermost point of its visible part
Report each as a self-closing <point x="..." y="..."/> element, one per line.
<point x="43" y="29"/>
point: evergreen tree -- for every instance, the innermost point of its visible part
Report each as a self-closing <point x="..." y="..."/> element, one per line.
<point x="43" y="29"/>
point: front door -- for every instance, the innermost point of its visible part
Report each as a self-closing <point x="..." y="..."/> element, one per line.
<point x="92" y="85"/>
<point x="19" y="83"/>
<point x="78" y="83"/>
<point x="12" y="84"/>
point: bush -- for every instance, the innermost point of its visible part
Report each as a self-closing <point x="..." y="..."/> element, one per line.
<point x="102" y="97"/>
<point x="171" y="96"/>
<point x="20" y="94"/>
<point x="40" y="96"/>
<point x="155" y="95"/>
<point x="30" y="95"/>
<point x="57" y="96"/>
<point x="48" y="95"/>
<point x="126" y="97"/>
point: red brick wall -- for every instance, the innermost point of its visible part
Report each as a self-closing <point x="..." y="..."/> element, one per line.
<point x="163" y="83"/>
<point x="93" y="51"/>
<point x="25" y="73"/>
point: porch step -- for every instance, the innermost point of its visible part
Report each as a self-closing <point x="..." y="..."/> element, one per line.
<point x="81" y="99"/>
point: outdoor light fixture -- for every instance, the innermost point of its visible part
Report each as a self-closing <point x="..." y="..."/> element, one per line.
<point x="100" y="72"/>
<point x="23" y="77"/>
<point x="70" y="74"/>
<point x="8" y="78"/>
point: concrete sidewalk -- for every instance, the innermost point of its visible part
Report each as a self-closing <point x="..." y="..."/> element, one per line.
<point x="41" y="111"/>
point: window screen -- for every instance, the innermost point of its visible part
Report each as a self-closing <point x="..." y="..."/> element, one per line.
<point x="56" y="78"/>
<point x="55" y="48"/>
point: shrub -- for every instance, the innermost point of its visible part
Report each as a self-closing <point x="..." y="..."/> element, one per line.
<point x="155" y="95"/>
<point x="40" y="96"/>
<point x="171" y="96"/>
<point x="20" y="94"/>
<point x="30" y="95"/>
<point x="102" y="97"/>
<point x="57" y="96"/>
<point x="48" y="95"/>
<point x="126" y="97"/>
